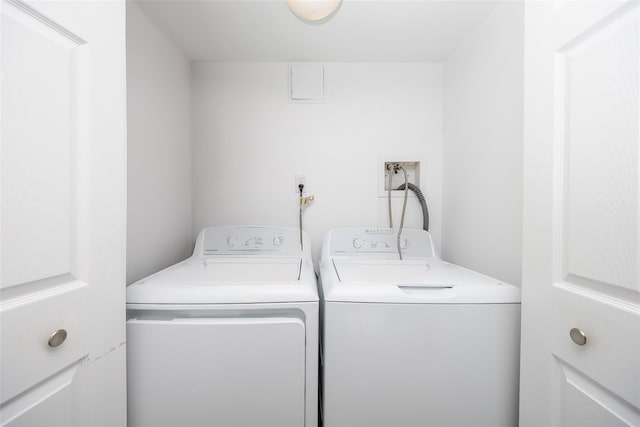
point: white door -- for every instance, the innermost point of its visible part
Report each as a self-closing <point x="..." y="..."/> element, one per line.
<point x="62" y="216"/>
<point x="581" y="267"/>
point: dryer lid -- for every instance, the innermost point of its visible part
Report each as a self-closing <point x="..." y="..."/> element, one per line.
<point x="224" y="280"/>
<point x="235" y="265"/>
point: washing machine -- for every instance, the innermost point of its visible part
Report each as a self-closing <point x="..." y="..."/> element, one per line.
<point x="413" y="342"/>
<point x="228" y="337"/>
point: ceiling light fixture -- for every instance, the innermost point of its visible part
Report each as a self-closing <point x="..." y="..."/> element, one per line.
<point x="313" y="10"/>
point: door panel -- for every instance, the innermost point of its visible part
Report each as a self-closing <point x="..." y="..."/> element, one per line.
<point x="596" y="202"/>
<point x="41" y="292"/>
<point x="585" y="403"/>
<point x="582" y="218"/>
<point x="610" y="356"/>
<point x="597" y="136"/>
<point x="50" y="403"/>
<point x="50" y="211"/>
<point x="27" y="324"/>
<point x="36" y="155"/>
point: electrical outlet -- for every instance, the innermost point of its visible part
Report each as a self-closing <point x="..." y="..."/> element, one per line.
<point x="300" y="179"/>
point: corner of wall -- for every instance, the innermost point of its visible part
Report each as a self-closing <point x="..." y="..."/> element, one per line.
<point x="483" y="143"/>
<point x="159" y="182"/>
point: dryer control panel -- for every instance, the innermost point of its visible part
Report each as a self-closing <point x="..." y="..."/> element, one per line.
<point x="367" y="241"/>
<point x="238" y="240"/>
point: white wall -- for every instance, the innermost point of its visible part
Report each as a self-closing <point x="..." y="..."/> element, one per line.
<point x="482" y="155"/>
<point x="249" y="142"/>
<point x="159" y="149"/>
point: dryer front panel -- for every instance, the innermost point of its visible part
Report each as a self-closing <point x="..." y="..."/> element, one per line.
<point x="234" y="372"/>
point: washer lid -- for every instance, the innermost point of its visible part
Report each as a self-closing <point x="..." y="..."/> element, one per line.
<point x="426" y="280"/>
<point x="226" y="280"/>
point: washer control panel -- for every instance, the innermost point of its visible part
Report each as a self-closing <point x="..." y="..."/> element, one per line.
<point x="354" y="241"/>
<point x="234" y="240"/>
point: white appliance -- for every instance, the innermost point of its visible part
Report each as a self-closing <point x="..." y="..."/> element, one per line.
<point x="417" y="342"/>
<point x="228" y="337"/>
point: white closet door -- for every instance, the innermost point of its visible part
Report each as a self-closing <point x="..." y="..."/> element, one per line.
<point x="62" y="214"/>
<point x="581" y="281"/>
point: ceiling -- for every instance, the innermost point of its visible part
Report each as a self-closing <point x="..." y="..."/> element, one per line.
<point x="360" y="31"/>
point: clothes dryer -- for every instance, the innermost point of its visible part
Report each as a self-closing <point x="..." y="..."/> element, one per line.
<point x="413" y="342"/>
<point x="228" y="337"/>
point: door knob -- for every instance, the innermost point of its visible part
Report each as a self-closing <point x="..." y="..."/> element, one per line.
<point x="577" y="336"/>
<point x="57" y="338"/>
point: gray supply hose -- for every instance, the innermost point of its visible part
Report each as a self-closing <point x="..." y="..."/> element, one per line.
<point x="423" y="203"/>
<point x="389" y="198"/>
<point x="404" y="209"/>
